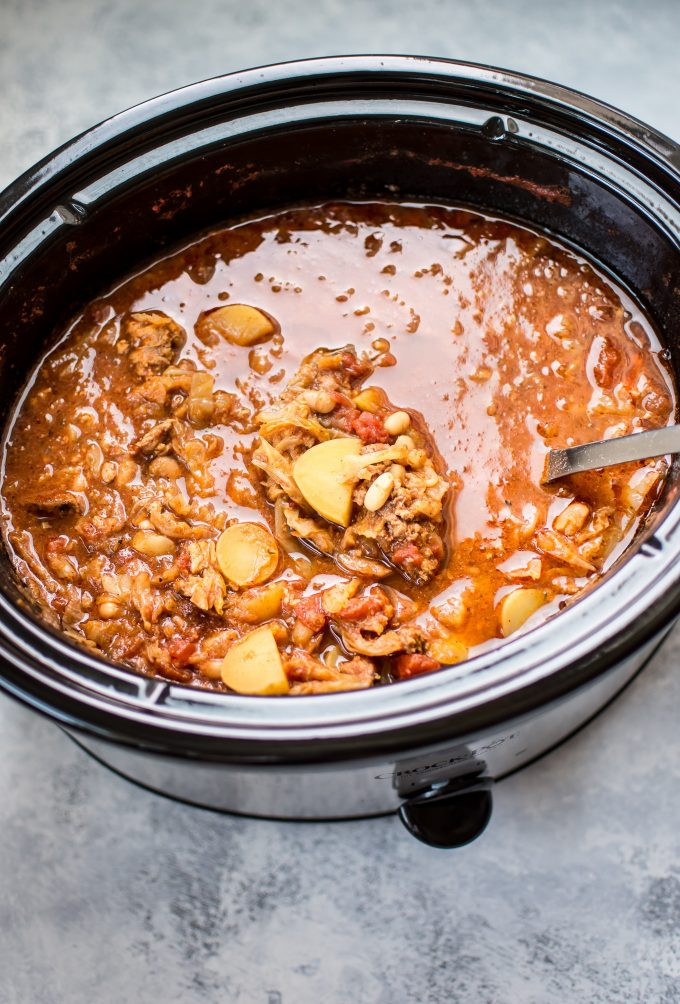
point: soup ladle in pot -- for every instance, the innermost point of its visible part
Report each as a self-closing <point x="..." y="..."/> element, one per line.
<point x="608" y="452"/>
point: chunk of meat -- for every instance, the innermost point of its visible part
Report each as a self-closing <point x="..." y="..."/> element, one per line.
<point x="160" y="387"/>
<point x="107" y="520"/>
<point x="204" y="586"/>
<point x="160" y="658"/>
<point x="372" y="611"/>
<point x="308" y="409"/>
<point x="153" y="341"/>
<point x="196" y="452"/>
<point x="158" y="441"/>
<point x="206" y="591"/>
<point x="61" y="565"/>
<point x="335" y="371"/>
<point x="150" y="603"/>
<point x="31" y="568"/>
<point x="355" y="368"/>
<point x="166" y="523"/>
<point x="406" y="529"/>
<point x="309" y="675"/>
<point x="214" y="646"/>
<point x="55" y="504"/>
<point x="360" y="608"/>
<point x="407" y="638"/>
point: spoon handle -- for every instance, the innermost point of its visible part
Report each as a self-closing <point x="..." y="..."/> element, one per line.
<point x="607" y="452"/>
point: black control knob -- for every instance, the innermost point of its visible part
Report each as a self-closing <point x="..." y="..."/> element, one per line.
<point x="451" y="814"/>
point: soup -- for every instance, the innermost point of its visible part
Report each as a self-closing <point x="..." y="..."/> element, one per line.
<point x="305" y="454"/>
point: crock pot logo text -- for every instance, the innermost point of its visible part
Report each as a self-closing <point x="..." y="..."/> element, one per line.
<point x="427" y="768"/>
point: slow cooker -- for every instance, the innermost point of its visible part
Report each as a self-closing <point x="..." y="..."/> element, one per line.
<point x="363" y="127"/>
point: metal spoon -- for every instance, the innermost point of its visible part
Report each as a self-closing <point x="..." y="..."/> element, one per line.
<point x="607" y="452"/>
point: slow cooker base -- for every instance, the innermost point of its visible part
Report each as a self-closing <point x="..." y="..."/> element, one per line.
<point x="356" y="790"/>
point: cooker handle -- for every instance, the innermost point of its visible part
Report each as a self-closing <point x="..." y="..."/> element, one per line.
<point x="449" y="814"/>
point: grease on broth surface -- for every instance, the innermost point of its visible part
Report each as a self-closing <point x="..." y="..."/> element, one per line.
<point x="455" y="348"/>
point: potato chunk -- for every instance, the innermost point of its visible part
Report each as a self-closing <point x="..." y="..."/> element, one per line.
<point x="247" y="554"/>
<point x="239" y="323"/>
<point x="447" y="651"/>
<point x="516" y="607"/>
<point x="253" y="665"/>
<point x="371" y="399"/>
<point x="260" y="604"/>
<point x="322" y="479"/>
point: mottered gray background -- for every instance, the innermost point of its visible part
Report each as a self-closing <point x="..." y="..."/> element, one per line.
<point x="114" y="895"/>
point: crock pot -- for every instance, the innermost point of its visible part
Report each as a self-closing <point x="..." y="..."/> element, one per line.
<point x="360" y="127"/>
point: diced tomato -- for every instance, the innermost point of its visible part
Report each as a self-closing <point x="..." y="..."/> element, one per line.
<point x="370" y="428"/>
<point x="360" y="607"/>
<point x="414" y="664"/>
<point x="181" y="650"/>
<point x="407" y="554"/>
<point x="310" y="611"/>
<point x="344" y="417"/>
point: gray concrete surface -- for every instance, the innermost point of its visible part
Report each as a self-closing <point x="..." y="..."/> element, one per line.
<point x="112" y="895"/>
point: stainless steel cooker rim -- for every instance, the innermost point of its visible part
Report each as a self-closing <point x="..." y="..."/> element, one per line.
<point x="634" y="602"/>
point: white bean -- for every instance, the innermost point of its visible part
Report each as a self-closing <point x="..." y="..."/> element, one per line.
<point x="108" y="609"/>
<point x="108" y="471"/>
<point x="127" y="470"/>
<point x="397" y="422"/>
<point x="406" y="442"/>
<point x="152" y="544"/>
<point x="379" y="492"/>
